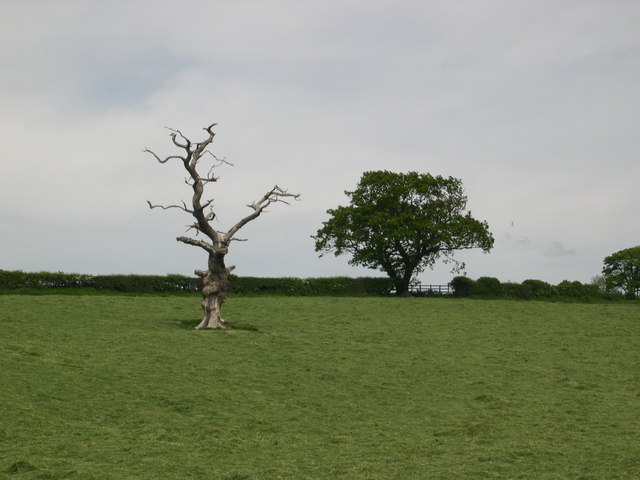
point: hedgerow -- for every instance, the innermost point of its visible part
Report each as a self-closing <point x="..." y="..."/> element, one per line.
<point x="28" y="282"/>
<point x="483" y="287"/>
<point x="488" y="287"/>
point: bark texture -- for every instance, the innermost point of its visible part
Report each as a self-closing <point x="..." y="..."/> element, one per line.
<point x="215" y="286"/>
<point x="215" y="280"/>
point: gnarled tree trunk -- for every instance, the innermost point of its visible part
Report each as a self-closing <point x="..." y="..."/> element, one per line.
<point x="215" y="285"/>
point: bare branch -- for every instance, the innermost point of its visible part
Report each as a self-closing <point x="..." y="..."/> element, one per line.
<point x="276" y="194"/>
<point x="198" y="243"/>
<point x="219" y="160"/>
<point x="146" y="150"/>
<point x="201" y="147"/>
<point x="193" y="226"/>
<point x="207" y="203"/>
<point x="192" y="154"/>
<point x="175" y="142"/>
<point x="234" y="239"/>
<point x="182" y="207"/>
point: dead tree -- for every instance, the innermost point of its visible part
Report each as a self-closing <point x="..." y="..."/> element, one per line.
<point x="215" y="280"/>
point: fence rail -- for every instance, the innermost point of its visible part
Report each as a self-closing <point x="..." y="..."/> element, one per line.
<point x="429" y="289"/>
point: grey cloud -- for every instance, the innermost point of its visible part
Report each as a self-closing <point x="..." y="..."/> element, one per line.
<point x="558" y="249"/>
<point x="520" y="241"/>
<point x="534" y="112"/>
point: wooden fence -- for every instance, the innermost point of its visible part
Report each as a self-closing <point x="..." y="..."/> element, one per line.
<point x="428" y="289"/>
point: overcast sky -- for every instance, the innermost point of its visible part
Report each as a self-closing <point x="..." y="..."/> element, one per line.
<point x="534" y="104"/>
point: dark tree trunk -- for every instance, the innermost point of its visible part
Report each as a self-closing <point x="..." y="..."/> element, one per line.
<point x="402" y="280"/>
<point x="402" y="286"/>
<point x="215" y="285"/>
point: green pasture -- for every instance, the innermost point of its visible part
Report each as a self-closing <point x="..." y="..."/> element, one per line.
<point x="121" y="387"/>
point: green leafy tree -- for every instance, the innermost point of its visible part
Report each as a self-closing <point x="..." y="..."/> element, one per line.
<point x="621" y="271"/>
<point x="403" y="223"/>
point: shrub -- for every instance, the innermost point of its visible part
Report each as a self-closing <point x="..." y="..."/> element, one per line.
<point x="578" y="290"/>
<point x="12" y="280"/>
<point x="462" y="286"/>
<point x="488" y="287"/>
<point x="274" y="286"/>
<point x="511" y="289"/>
<point x="310" y="286"/>
<point x="42" y="280"/>
<point x="536" y="288"/>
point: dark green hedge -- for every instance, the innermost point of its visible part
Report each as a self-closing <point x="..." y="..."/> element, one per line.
<point x="463" y="286"/>
<point x="577" y="289"/>
<point x="146" y="283"/>
<point x="483" y="287"/>
<point x="43" y="281"/>
<point x="333" y="286"/>
<point x="489" y="287"/>
<point x="18" y="280"/>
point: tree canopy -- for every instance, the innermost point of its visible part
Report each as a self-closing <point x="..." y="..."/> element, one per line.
<point x="402" y="223"/>
<point x="622" y="271"/>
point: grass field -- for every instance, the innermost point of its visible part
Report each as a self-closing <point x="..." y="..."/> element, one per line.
<point x="117" y="387"/>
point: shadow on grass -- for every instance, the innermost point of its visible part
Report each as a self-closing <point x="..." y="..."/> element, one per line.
<point x="191" y="324"/>
<point x="20" y="466"/>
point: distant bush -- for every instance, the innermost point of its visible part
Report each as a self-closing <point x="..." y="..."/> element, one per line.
<point x="463" y="286"/>
<point x="511" y="289"/>
<point x="146" y="283"/>
<point x="273" y="286"/>
<point x="536" y="289"/>
<point x="310" y="286"/>
<point x="488" y="287"/>
<point x="577" y="290"/>
<point x="12" y="280"/>
<point x="18" y="280"/>
<point x="41" y="282"/>
<point x="483" y="287"/>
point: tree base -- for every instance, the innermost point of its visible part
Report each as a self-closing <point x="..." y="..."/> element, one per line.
<point x="211" y="324"/>
<point x="212" y="304"/>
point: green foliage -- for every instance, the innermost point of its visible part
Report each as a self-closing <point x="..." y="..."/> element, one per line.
<point x="33" y="282"/>
<point x="511" y="290"/>
<point x="403" y="223"/>
<point x="463" y="286"/>
<point x="536" y="288"/>
<point x="113" y="387"/>
<point x="576" y="289"/>
<point x="55" y="282"/>
<point x="622" y="271"/>
<point x="145" y="283"/>
<point x="483" y="287"/>
<point x="333" y="286"/>
<point x="12" y="280"/>
<point x="599" y="282"/>
<point x="272" y="286"/>
<point x="488" y="287"/>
